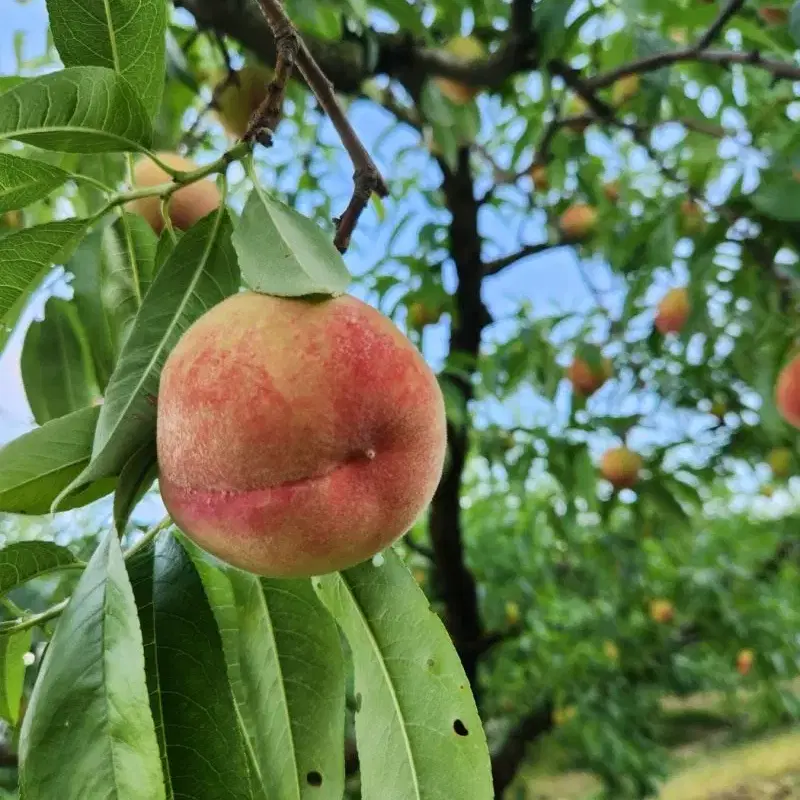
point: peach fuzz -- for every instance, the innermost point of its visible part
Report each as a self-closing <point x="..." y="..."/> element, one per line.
<point x="297" y="437"/>
<point x="186" y="206"/>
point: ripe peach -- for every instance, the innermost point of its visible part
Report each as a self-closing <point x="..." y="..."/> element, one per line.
<point x="620" y="467"/>
<point x="586" y="378"/>
<point x="466" y="48"/>
<point x="297" y="437"/>
<point x="773" y="15"/>
<point x="186" y="206"/>
<point x="612" y="191"/>
<point x="673" y="311"/>
<point x="662" y="611"/>
<point x="787" y="392"/>
<point x="578" y="221"/>
<point x="538" y="173"/>
<point x="744" y="661"/>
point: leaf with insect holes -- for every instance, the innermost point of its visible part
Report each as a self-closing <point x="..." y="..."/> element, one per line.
<point x="127" y="36"/>
<point x="21" y="562"/>
<point x="26" y="255"/>
<point x="76" y="110"/>
<point x="23" y="181"/>
<point x="415" y="712"/>
<point x="284" y="253"/>
<point x="40" y="464"/>
<point x="200" y="273"/>
<point x="90" y="698"/>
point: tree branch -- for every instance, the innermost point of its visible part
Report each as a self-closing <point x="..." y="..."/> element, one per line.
<point x="292" y="49"/>
<point x="499" y="264"/>
<point x="732" y="7"/>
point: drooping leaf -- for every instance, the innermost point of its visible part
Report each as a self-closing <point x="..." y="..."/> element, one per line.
<point x="39" y="465"/>
<point x="292" y="673"/>
<point x="23" y="181"/>
<point x="88" y="266"/>
<point x="90" y="697"/>
<point x="57" y="369"/>
<point x="27" y="254"/>
<point x="76" y="110"/>
<point x="127" y="36"/>
<point x="415" y="709"/>
<point x="22" y="561"/>
<point x="12" y="672"/>
<point x="201" y="272"/>
<point x="284" y="253"/>
<point x="203" y="748"/>
<point x="136" y="478"/>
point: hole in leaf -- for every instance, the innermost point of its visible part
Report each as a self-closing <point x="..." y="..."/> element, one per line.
<point x="460" y="728"/>
<point x="314" y="778"/>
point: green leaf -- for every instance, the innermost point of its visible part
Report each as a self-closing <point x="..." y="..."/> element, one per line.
<point x="127" y="36"/>
<point x="284" y="253"/>
<point x="23" y="181"/>
<point x="139" y="247"/>
<point x="38" y="466"/>
<point x="778" y="197"/>
<point x="417" y="720"/>
<point x="794" y="22"/>
<point x="57" y="371"/>
<point x="76" y="110"/>
<point x="292" y="672"/>
<point x="21" y="562"/>
<point x="89" y="268"/>
<point x="12" y="673"/>
<point x="25" y="255"/>
<point x="203" y="748"/>
<point x="136" y="478"/>
<point x="90" y="698"/>
<point x="201" y="272"/>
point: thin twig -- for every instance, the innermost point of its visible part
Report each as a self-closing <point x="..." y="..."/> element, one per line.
<point x="366" y="177"/>
<point x="732" y="7"/>
<point x="493" y="267"/>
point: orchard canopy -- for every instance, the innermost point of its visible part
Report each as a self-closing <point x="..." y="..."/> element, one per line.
<point x="584" y="215"/>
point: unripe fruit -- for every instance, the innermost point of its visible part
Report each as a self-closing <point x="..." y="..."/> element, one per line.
<point x="297" y="437"/>
<point x="587" y="378"/>
<point x="237" y="102"/>
<point x="420" y="315"/>
<point x="466" y="48"/>
<point x="577" y="107"/>
<point x="561" y="716"/>
<point x="610" y="650"/>
<point x="692" y="217"/>
<point x="186" y="206"/>
<point x="620" y="467"/>
<point x="612" y="191"/>
<point x="512" y="613"/>
<point x="539" y="177"/>
<point x="578" y="221"/>
<point x="719" y="409"/>
<point x="787" y="392"/>
<point x="744" y="661"/>
<point x="673" y="311"/>
<point x="662" y="611"/>
<point x="780" y="461"/>
<point x="625" y="89"/>
<point x="773" y="15"/>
